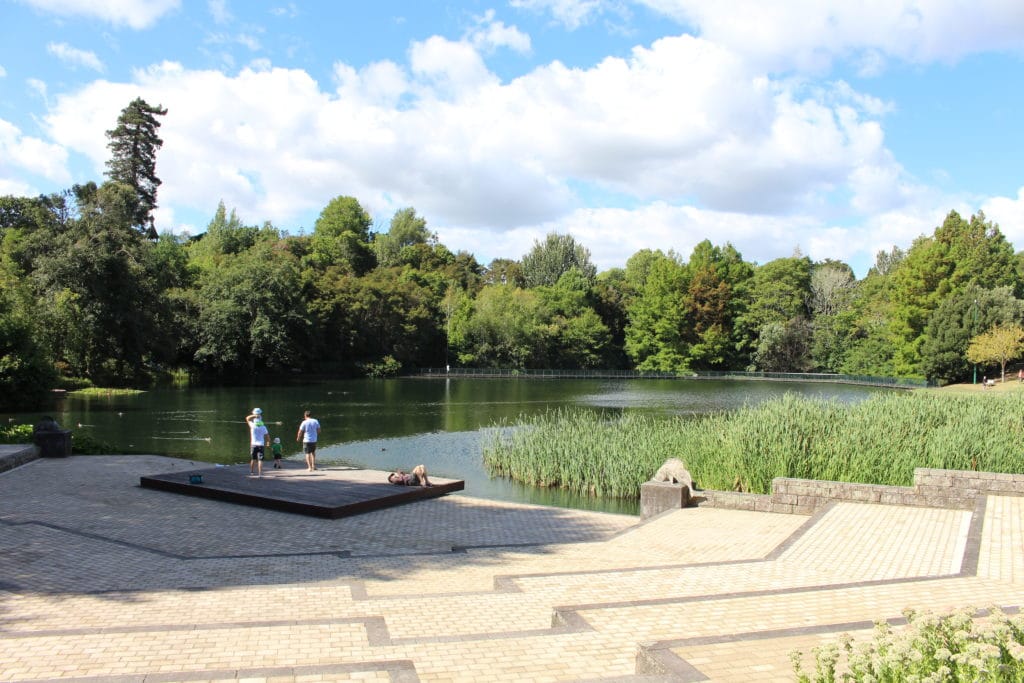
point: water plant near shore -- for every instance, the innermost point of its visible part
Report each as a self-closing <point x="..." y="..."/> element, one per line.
<point x="877" y="441"/>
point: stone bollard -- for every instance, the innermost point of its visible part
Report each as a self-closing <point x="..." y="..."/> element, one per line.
<point x="658" y="496"/>
<point x="53" y="442"/>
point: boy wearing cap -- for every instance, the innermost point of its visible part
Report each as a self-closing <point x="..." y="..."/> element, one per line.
<point x="259" y="437"/>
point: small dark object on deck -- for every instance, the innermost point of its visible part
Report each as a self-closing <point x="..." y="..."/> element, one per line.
<point x="195" y="479"/>
<point x="53" y="442"/>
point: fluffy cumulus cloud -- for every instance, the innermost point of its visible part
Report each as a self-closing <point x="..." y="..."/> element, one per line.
<point x="686" y="133"/>
<point x="75" y="57"/>
<point x="22" y="156"/>
<point x="136" y="14"/>
<point x="810" y="34"/>
<point x="1008" y="212"/>
<point x="681" y="122"/>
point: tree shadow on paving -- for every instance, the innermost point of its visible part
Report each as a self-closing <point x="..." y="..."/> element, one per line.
<point x="91" y="529"/>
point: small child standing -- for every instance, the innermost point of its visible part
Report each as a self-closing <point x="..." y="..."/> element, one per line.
<point x="276" y="449"/>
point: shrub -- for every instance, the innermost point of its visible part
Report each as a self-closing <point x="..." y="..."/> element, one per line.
<point x="950" y="647"/>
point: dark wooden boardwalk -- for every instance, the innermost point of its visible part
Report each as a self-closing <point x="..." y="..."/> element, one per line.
<point x="331" y="492"/>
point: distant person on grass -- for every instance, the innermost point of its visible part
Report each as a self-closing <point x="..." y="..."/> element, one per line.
<point x="308" y="434"/>
<point x="259" y="437"/>
<point x="418" y="477"/>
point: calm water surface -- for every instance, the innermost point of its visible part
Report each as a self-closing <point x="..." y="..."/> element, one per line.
<point x="385" y="424"/>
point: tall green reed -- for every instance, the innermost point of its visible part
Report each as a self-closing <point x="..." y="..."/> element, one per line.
<point x="880" y="441"/>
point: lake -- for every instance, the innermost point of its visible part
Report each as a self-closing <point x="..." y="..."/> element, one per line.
<point x="386" y="424"/>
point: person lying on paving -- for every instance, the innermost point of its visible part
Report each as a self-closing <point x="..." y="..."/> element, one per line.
<point x="418" y="477"/>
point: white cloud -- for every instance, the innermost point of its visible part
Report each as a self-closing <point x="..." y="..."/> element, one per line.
<point x="684" y="132"/>
<point x="243" y="39"/>
<point x="3" y="72"/>
<point x="289" y="11"/>
<point x="1008" y="212"/>
<point x="37" y="86"/>
<point x="570" y="13"/>
<point x="219" y="11"/>
<point x="74" y="56"/>
<point x="489" y="35"/>
<point x="809" y="34"/>
<point x="21" y="154"/>
<point x="136" y="14"/>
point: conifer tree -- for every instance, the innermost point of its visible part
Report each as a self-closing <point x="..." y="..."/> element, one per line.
<point x="133" y="146"/>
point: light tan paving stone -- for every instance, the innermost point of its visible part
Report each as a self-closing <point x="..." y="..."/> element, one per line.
<point x="1001" y="554"/>
<point x="98" y="592"/>
<point x="884" y="541"/>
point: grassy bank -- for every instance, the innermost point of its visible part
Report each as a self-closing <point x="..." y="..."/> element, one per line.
<point x="878" y="441"/>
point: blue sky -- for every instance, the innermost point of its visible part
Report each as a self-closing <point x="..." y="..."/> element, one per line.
<point x="835" y="128"/>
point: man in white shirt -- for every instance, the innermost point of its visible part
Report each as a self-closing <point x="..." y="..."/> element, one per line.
<point x="259" y="439"/>
<point x="309" y="432"/>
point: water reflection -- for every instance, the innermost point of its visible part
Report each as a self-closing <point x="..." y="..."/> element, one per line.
<point x="398" y="423"/>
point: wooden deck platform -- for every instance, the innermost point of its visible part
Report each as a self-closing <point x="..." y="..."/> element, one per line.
<point x="329" y="492"/>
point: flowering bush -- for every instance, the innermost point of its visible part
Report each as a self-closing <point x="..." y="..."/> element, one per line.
<point x="931" y="649"/>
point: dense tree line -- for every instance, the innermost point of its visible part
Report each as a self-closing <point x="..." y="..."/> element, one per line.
<point x="89" y="292"/>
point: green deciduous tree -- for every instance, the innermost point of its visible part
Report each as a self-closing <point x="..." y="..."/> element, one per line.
<point x="958" y="254"/>
<point x="250" y="314"/>
<point x="575" y="335"/>
<point x="341" y="237"/>
<point x="503" y="271"/>
<point x="407" y="230"/>
<point x="503" y="329"/>
<point x="716" y="279"/>
<point x="654" y="336"/>
<point x="98" y="303"/>
<point x="548" y="260"/>
<point x="956" y="321"/>
<point x="998" y="345"/>
<point x="133" y="146"/>
<point x="778" y="295"/>
<point x="832" y="289"/>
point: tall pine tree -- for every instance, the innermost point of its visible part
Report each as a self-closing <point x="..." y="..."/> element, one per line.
<point x="133" y="146"/>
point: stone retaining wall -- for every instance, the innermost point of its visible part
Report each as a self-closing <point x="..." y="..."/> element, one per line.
<point x="12" y="456"/>
<point x="957" y="489"/>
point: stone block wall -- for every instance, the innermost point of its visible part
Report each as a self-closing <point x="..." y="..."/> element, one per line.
<point x="957" y="489"/>
<point x="12" y="456"/>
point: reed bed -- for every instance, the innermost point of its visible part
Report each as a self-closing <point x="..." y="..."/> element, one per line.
<point x="877" y="441"/>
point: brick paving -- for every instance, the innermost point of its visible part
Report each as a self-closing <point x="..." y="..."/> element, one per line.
<point x="101" y="580"/>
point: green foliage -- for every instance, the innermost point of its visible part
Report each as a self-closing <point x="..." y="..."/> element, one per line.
<point x="13" y="433"/>
<point x="878" y="441"/>
<point x="999" y="345"/>
<point x="959" y="254"/>
<point x="951" y="647"/>
<point x="958" y="318"/>
<point x="250" y="314"/>
<point x="341" y="237"/>
<point x="654" y="336"/>
<point x="133" y="146"/>
<point x="386" y="367"/>
<point x="397" y="246"/>
<point x="86" y="444"/>
<point x="503" y="329"/>
<point x="546" y="262"/>
<point x="90" y="287"/>
<point x="106" y="392"/>
<point x="98" y="302"/>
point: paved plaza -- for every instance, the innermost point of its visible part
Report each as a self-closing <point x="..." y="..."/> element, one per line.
<point x="102" y="580"/>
